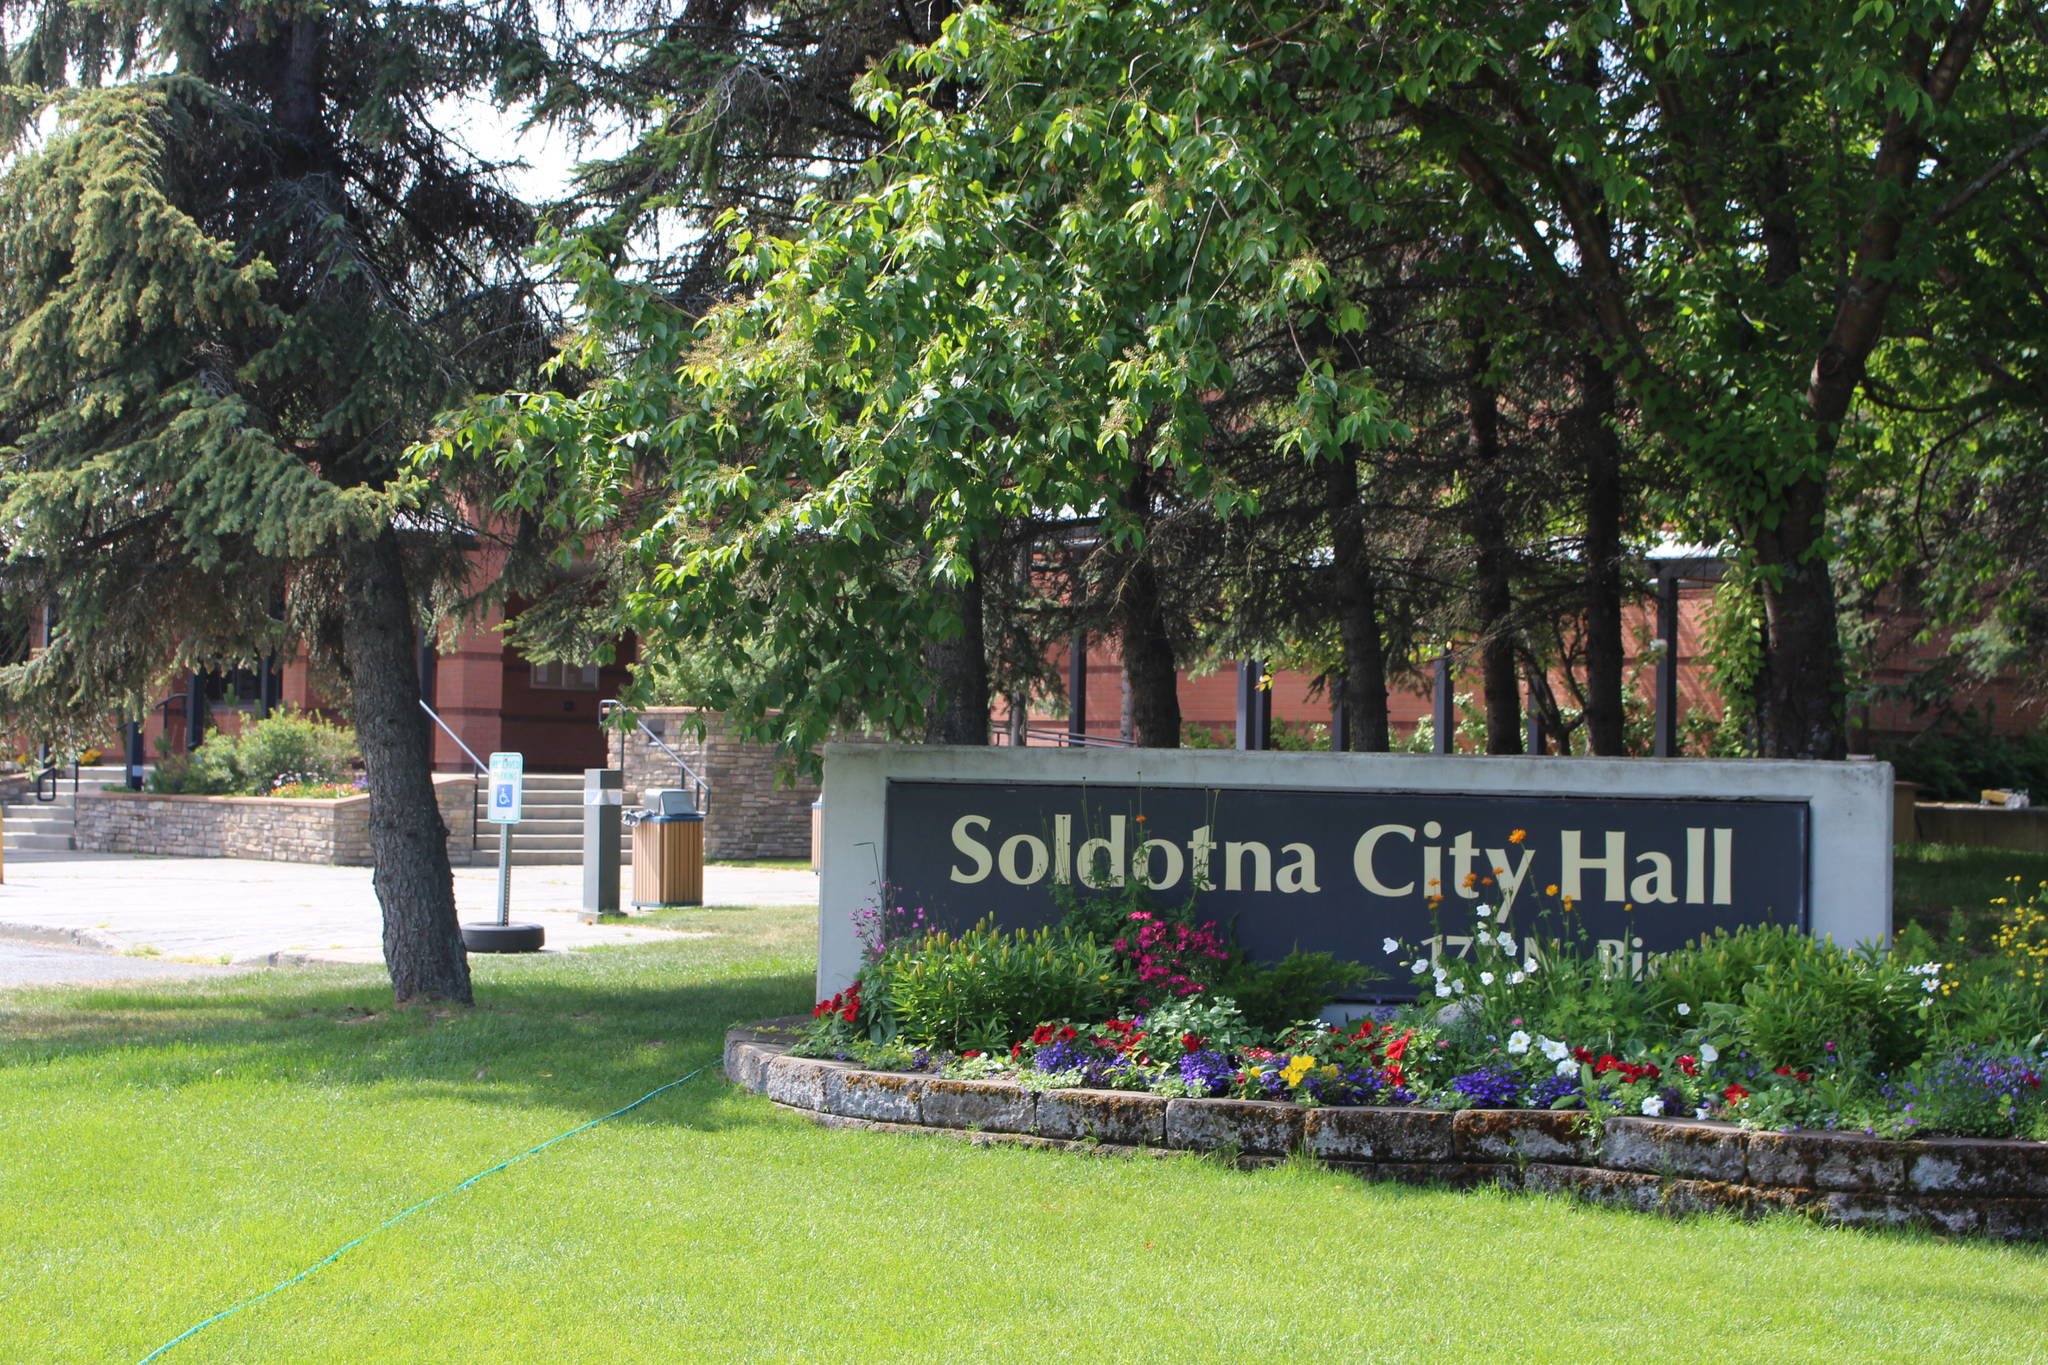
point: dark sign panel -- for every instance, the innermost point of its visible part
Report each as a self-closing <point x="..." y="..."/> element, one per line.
<point x="1342" y="871"/>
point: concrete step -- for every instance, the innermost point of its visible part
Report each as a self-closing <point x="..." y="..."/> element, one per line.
<point x="536" y="858"/>
<point x="39" y="819"/>
<point x="22" y="841"/>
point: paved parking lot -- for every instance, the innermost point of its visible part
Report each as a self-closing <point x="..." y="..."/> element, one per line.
<point x="167" y="913"/>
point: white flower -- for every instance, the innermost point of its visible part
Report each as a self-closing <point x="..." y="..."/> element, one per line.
<point x="1421" y="966"/>
<point x="1553" y="1048"/>
<point x="1700" y="1112"/>
<point x="1438" y="972"/>
<point x="1567" y="1067"/>
<point x="1529" y="965"/>
<point x="1517" y="978"/>
<point x="1709" y="1053"/>
<point x="1442" y="990"/>
<point x="1682" y="1009"/>
<point x="1486" y="978"/>
<point x="1506" y="941"/>
<point x="1391" y="946"/>
<point x="1482" y="912"/>
<point x="1459" y="985"/>
<point x="1653" y="1107"/>
<point x="1518" y="1042"/>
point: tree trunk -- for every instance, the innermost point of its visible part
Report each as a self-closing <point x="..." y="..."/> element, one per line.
<point x="408" y="842"/>
<point x="1486" y="522"/>
<point x="1362" y="686"/>
<point x="1151" y="673"/>
<point x="1799" y="692"/>
<point x="1600" y="452"/>
<point x="958" y="713"/>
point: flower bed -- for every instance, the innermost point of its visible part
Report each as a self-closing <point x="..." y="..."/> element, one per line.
<point x="1805" y="1071"/>
<point x="1957" y="1185"/>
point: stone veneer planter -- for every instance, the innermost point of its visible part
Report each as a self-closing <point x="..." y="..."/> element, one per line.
<point x="279" y="828"/>
<point x="1955" y="1185"/>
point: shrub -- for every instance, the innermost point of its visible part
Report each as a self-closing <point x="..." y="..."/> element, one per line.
<point x="285" y="749"/>
<point x="293" y="745"/>
<point x="207" y="771"/>
<point x="986" y="987"/>
<point x="1273" y="995"/>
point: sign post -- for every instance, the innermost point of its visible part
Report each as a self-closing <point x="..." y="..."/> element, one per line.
<point x="502" y="807"/>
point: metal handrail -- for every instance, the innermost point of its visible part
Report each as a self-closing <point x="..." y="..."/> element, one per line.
<point x="482" y="771"/>
<point x="689" y="775"/>
<point x="433" y="715"/>
<point x="1067" y="738"/>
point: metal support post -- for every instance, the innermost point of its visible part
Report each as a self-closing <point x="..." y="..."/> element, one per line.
<point x="1077" y="688"/>
<point x="505" y="873"/>
<point x="1340" y="726"/>
<point x="1666" y="740"/>
<point x="131" y="735"/>
<point x="1440" y="707"/>
<point x="1254" y="707"/>
<point x="604" y="797"/>
<point x="195" y="709"/>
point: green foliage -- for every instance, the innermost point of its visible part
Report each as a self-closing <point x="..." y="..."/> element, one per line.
<point x="207" y="771"/>
<point x="293" y="744"/>
<point x="1215" y="1018"/>
<point x="1273" y="995"/>
<point x="986" y="987"/>
<point x="980" y="333"/>
<point x="1958" y="766"/>
<point x="253" y="762"/>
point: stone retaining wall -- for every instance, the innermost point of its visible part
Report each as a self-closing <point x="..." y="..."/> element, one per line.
<point x="749" y="815"/>
<point x="1955" y="1185"/>
<point x="277" y="828"/>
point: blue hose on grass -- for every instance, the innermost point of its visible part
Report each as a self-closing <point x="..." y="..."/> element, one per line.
<point x="337" y="1253"/>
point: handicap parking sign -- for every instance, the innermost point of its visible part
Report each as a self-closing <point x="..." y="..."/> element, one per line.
<point x="507" y="770"/>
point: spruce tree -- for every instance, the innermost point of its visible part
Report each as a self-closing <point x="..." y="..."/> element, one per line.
<point x="241" y="269"/>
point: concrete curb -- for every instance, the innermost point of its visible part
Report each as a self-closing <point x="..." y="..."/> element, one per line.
<point x="96" y="939"/>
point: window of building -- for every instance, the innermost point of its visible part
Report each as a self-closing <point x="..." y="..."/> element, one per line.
<point x="565" y="677"/>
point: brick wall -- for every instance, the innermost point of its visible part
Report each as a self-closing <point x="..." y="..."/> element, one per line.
<point x="275" y="828"/>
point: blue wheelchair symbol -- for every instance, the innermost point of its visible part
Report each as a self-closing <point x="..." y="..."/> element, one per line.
<point x="503" y="797"/>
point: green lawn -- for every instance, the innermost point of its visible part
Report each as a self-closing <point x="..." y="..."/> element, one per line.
<point x="1933" y="883"/>
<point x="165" y="1153"/>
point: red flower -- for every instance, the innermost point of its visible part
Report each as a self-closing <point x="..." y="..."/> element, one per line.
<point x="1735" y="1094"/>
<point x="1042" y="1034"/>
<point x="1398" y="1048"/>
<point x="1688" y="1065"/>
<point x="1067" y="1034"/>
<point x="1582" y="1054"/>
<point x="1394" y="1074"/>
<point x="1016" y="1048"/>
<point x="970" y="1053"/>
<point x="1190" y="1041"/>
<point x="1608" y="1062"/>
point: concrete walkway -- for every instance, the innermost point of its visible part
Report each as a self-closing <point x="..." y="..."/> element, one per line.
<point x="242" y="911"/>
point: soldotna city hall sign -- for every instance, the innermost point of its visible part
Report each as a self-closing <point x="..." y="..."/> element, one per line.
<point x="1337" y="853"/>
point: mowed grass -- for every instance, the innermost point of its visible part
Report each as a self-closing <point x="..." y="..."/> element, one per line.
<point x="1940" y="886"/>
<point x="166" y="1153"/>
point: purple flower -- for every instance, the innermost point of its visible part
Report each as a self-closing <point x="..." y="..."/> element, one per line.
<point x="1206" y="1071"/>
<point x="1491" y="1087"/>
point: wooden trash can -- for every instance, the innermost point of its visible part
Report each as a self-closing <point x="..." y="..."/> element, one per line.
<point x="668" y="860"/>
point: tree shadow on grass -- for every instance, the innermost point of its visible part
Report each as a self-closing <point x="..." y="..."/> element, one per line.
<point x="583" y="1033"/>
